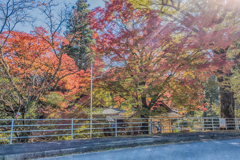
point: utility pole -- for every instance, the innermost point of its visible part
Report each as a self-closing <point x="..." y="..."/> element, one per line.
<point x="91" y="101"/>
<point x="92" y="97"/>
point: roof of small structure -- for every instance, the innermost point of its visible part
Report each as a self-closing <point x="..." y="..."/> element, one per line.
<point x="110" y="111"/>
<point x="160" y="103"/>
<point x="171" y="113"/>
<point x="118" y="113"/>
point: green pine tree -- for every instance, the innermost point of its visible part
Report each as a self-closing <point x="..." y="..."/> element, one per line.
<point x="78" y="26"/>
<point x="212" y="97"/>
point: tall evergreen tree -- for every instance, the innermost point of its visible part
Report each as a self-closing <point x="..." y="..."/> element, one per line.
<point x="212" y="92"/>
<point x="78" y="26"/>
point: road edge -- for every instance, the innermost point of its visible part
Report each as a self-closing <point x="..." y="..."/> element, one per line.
<point x="104" y="147"/>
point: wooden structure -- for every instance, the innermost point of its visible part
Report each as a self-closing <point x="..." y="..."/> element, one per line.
<point x="162" y="123"/>
<point x="112" y="114"/>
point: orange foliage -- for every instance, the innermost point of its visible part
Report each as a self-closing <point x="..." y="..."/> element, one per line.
<point x="33" y="62"/>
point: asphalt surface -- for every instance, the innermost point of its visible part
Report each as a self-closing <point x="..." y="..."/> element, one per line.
<point x="203" y="150"/>
<point x="56" y="145"/>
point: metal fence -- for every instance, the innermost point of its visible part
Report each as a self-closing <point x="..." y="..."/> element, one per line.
<point x="29" y="130"/>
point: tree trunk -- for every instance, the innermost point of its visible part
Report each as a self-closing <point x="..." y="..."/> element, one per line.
<point x="145" y="115"/>
<point x="144" y="125"/>
<point x="227" y="100"/>
<point x="227" y="103"/>
<point x="227" y="107"/>
<point x="226" y="94"/>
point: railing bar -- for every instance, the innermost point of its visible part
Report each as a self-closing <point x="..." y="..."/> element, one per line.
<point x="132" y="122"/>
<point x="80" y="134"/>
<point x="5" y="125"/>
<point x="42" y="136"/>
<point x="101" y="132"/>
<point x="43" y="130"/>
<point x="133" y="126"/>
<point x="42" y="125"/>
<point x="196" y="118"/>
<point x="207" y="124"/>
<point x="100" y="123"/>
<point x="109" y="127"/>
<point x="54" y="119"/>
<point x="208" y="127"/>
<point x="133" y="131"/>
<point x="186" y="128"/>
<point x="137" y="118"/>
<point x="92" y="119"/>
<point x="76" y="124"/>
<point x="89" y="128"/>
<point x="44" y="119"/>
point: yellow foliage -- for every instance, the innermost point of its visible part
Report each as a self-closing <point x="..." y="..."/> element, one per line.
<point x="141" y="3"/>
<point x="235" y="84"/>
<point x="42" y="99"/>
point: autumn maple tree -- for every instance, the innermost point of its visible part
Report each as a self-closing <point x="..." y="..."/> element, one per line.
<point x="153" y="59"/>
<point x="215" y="15"/>
<point x="151" y="51"/>
<point x="33" y="65"/>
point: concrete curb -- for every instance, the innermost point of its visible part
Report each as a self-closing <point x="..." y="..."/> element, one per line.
<point x="100" y="147"/>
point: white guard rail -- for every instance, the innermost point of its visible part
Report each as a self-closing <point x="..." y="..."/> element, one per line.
<point x="29" y="130"/>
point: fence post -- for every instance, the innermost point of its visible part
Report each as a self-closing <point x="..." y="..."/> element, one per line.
<point x="202" y="123"/>
<point x="72" y="130"/>
<point x="11" y="131"/>
<point x="212" y="124"/>
<point x="90" y="127"/>
<point x="178" y="124"/>
<point x="236" y="123"/>
<point x="116" y="127"/>
<point x="150" y="125"/>
<point x="226" y="123"/>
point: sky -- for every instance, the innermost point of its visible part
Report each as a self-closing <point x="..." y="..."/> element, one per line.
<point x="35" y="13"/>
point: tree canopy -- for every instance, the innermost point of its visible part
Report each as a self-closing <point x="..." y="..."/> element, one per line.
<point x="151" y="57"/>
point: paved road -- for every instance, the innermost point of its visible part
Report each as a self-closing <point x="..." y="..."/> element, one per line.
<point x="204" y="150"/>
<point x="57" y="145"/>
